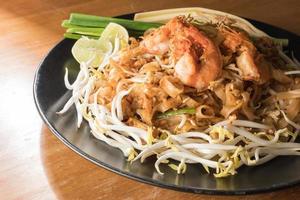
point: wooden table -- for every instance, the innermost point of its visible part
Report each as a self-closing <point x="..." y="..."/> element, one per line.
<point x="34" y="164"/>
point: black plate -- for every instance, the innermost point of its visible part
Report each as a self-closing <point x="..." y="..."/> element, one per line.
<point x="50" y="95"/>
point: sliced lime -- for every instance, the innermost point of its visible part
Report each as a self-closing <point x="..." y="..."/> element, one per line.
<point x="113" y="31"/>
<point x="86" y="49"/>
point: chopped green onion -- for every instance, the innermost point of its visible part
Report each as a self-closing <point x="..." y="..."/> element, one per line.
<point x="171" y="113"/>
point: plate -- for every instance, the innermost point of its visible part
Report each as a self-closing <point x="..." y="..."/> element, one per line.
<point x="50" y="95"/>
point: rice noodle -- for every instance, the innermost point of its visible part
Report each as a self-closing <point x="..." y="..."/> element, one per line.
<point x="136" y="102"/>
<point x="169" y="66"/>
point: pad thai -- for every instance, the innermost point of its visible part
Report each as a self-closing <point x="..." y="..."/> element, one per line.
<point x="191" y="92"/>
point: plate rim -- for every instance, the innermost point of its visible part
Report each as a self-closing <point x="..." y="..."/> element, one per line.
<point x="131" y="175"/>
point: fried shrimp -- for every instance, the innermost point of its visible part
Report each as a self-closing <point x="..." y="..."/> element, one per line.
<point x="253" y="65"/>
<point x="198" y="60"/>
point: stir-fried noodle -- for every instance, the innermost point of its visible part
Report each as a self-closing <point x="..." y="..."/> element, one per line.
<point x="205" y="94"/>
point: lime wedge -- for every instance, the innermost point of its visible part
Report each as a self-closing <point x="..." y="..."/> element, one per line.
<point x="86" y="49"/>
<point x="113" y="30"/>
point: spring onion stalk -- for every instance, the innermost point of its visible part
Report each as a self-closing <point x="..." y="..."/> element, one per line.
<point x="97" y="21"/>
<point x="77" y="36"/>
<point x="86" y="31"/>
<point x="67" y="24"/>
<point x="92" y="26"/>
<point x="176" y="112"/>
<point x="95" y="32"/>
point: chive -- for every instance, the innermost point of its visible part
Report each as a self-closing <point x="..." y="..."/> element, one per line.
<point x="171" y="113"/>
<point x="77" y="36"/>
<point x="97" y="21"/>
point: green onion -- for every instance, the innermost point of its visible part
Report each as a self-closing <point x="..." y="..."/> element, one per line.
<point x="96" y="31"/>
<point x="77" y="36"/>
<point x="92" y="26"/>
<point x="67" y="24"/>
<point x="171" y="113"/>
<point x="86" y="31"/>
<point x="97" y="21"/>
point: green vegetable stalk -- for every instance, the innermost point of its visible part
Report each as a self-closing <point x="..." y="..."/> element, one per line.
<point x="97" y="21"/>
<point x="92" y="26"/>
<point x="171" y="113"/>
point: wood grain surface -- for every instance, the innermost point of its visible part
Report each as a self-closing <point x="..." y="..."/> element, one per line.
<point x="34" y="164"/>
